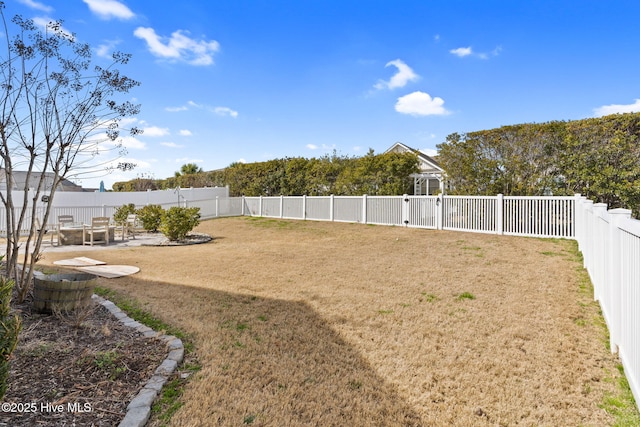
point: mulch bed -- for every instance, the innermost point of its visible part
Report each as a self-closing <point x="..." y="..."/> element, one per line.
<point x="80" y="369"/>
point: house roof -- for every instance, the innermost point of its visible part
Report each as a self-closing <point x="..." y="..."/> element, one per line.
<point x="20" y="178"/>
<point x="427" y="163"/>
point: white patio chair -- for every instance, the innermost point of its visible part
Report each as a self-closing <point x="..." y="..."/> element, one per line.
<point x="62" y="221"/>
<point x="130" y="226"/>
<point x="99" y="225"/>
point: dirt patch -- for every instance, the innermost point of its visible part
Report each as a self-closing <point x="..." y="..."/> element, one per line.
<point x="309" y="323"/>
<point x="77" y="370"/>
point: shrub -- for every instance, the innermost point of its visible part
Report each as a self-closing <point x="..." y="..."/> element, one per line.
<point x="151" y="217"/>
<point x="178" y="222"/>
<point x="121" y="213"/>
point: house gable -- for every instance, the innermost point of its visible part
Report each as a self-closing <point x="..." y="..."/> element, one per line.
<point x="427" y="164"/>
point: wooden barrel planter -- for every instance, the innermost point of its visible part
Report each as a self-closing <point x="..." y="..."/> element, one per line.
<point x="63" y="292"/>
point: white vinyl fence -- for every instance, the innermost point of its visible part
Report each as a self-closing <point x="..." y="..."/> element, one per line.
<point x="610" y="244"/>
<point x="516" y="216"/>
<point x="213" y="202"/>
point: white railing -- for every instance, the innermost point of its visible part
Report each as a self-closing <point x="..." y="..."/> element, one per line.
<point x="518" y="216"/>
<point x="610" y="244"/>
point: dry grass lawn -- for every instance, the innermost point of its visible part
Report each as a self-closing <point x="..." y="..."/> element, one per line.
<point x="310" y="323"/>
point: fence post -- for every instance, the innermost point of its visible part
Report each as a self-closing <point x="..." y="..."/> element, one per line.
<point x="615" y="279"/>
<point x="587" y="214"/>
<point x="281" y="206"/>
<point x="260" y="206"/>
<point x="217" y="206"/>
<point x="104" y="210"/>
<point x="405" y="210"/>
<point x="243" y="203"/>
<point x="304" y="206"/>
<point x="499" y="214"/>
<point x="440" y="211"/>
<point x="597" y="263"/>
<point x="364" y="208"/>
<point x="331" y="201"/>
<point x="577" y="218"/>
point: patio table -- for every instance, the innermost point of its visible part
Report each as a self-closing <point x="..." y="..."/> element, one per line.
<point x="71" y="234"/>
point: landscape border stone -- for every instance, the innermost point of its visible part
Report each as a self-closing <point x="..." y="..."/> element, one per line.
<point x="139" y="409"/>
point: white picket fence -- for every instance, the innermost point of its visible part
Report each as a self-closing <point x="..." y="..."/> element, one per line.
<point x="516" y="216"/>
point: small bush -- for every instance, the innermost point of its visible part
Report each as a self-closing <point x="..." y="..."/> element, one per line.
<point x="121" y="213"/>
<point x="151" y="217"/>
<point x="178" y="222"/>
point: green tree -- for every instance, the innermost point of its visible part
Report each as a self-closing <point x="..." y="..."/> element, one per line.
<point x="56" y="107"/>
<point x="189" y="169"/>
<point x="511" y="160"/>
<point x="190" y="175"/>
<point x="600" y="158"/>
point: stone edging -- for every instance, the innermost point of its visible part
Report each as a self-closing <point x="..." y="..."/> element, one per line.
<point x="139" y="410"/>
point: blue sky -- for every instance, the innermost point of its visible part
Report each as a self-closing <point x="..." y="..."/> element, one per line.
<point x="240" y="80"/>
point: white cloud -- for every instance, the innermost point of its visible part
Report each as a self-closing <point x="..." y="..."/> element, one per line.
<point x="189" y="160"/>
<point x="155" y="131"/>
<point x="404" y="75"/>
<point x="185" y="132"/>
<point x="220" y="111"/>
<point x="132" y="142"/>
<point x="36" y="5"/>
<point x="420" y="104"/>
<point x="105" y="50"/>
<point x="176" y="109"/>
<point x="241" y="160"/>
<point x="107" y="9"/>
<point x="225" y="111"/>
<point x="170" y="145"/>
<point x="324" y="147"/>
<point x="179" y="47"/>
<point x="605" y="110"/>
<point x="461" y="51"/>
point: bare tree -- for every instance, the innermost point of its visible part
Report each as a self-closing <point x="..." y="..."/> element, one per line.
<point x="59" y="118"/>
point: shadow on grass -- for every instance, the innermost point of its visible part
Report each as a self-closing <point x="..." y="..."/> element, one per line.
<point x="268" y="361"/>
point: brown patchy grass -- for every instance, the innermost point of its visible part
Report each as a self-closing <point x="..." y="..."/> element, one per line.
<point x="312" y="323"/>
